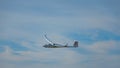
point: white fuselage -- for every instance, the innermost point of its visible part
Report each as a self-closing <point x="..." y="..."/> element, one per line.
<point x="56" y="46"/>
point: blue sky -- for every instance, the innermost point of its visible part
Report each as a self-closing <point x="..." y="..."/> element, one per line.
<point x="94" y="23"/>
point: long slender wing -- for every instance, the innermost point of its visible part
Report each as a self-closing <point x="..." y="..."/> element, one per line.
<point x="48" y="40"/>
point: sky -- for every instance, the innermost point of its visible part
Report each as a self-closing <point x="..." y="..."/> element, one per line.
<point x="94" y="23"/>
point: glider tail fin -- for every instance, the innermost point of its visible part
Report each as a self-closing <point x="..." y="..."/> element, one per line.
<point x="75" y="44"/>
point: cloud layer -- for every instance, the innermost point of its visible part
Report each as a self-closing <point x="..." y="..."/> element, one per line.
<point x="95" y="24"/>
<point x="99" y="56"/>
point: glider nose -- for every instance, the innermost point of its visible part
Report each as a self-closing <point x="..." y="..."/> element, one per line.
<point x="44" y="46"/>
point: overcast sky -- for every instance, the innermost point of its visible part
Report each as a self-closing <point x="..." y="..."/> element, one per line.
<point x="94" y="23"/>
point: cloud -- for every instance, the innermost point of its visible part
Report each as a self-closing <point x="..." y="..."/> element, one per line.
<point x="44" y="57"/>
<point x="22" y="25"/>
<point x="102" y="47"/>
<point x="25" y="23"/>
<point x="79" y="18"/>
<point x="50" y="56"/>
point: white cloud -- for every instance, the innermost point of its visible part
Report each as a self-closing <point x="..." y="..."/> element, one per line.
<point x="31" y="25"/>
<point x="80" y="19"/>
<point x="102" y="47"/>
<point x="54" y="56"/>
<point x="22" y="25"/>
<point x="63" y="57"/>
